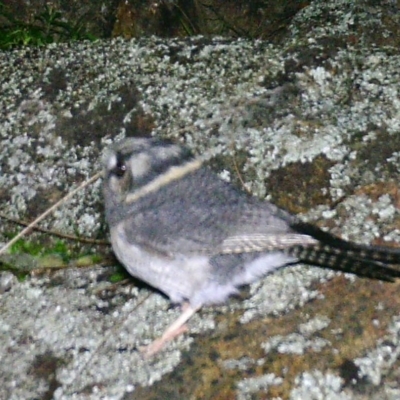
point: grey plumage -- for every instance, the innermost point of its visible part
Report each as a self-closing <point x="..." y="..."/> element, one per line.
<point x="176" y="225"/>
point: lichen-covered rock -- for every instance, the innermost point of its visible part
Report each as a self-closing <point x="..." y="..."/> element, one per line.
<point x="312" y="124"/>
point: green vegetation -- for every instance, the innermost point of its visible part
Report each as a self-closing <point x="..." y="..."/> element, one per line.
<point x="47" y="27"/>
<point x="26" y="256"/>
<point x="36" y="249"/>
<point x="119" y="276"/>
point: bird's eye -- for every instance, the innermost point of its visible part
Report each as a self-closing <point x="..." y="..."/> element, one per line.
<point x="120" y="169"/>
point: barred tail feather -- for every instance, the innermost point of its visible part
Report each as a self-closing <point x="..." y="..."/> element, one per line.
<point x="343" y="260"/>
<point x="333" y="244"/>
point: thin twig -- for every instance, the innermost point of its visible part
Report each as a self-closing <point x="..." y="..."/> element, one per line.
<point x="55" y="233"/>
<point x="239" y="175"/>
<point x="49" y="211"/>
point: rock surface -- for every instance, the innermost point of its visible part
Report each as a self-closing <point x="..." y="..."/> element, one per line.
<point x="313" y="123"/>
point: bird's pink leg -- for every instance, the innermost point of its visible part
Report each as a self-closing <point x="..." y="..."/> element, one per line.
<point x="174" y="330"/>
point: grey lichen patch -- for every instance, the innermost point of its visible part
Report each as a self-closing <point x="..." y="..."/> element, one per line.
<point x="260" y="384"/>
<point x="294" y="344"/>
<point x="314" y="325"/>
<point x="276" y="295"/>
<point x="298" y="343"/>
<point x="378" y="362"/>
<point x="366" y="219"/>
<point x="7" y="281"/>
<point x="316" y="385"/>
<point x="241" y="364"/>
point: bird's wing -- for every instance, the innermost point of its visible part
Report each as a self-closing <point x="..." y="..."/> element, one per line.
<point x="205" y="215"/>
<point x="163" y="230"/>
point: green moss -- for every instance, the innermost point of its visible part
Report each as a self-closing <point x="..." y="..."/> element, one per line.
<point x="44" y="28"/>
<point x="28" y="255"/>
<point x="119" y="275"/>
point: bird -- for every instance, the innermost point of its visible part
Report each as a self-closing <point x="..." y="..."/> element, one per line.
<point x="178" y="226"/>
